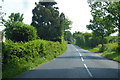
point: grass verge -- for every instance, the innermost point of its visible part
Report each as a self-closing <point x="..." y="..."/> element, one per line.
<point x="110" y="51"/>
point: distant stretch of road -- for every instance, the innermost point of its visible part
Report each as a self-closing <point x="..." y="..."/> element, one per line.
<point x="75" y="63"/>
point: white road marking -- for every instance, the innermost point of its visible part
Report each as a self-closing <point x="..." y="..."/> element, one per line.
<point x="76" y="49"/>
<point x="82" y="59"/>
<point x="88" y="70"/>
<point x="80" y="54"/>
<point x="84" y="64"/>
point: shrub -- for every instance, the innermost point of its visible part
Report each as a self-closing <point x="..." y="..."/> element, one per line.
<point x="24" y="56"/>
<point x="110" y="47"/>
<point x="18" y="31"/>
<point x="110" y="51"/>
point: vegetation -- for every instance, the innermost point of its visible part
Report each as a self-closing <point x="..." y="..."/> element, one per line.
<point x="27" y="46"/>
<point x="111" y="51"/>
<point x="86" y="39"/>
<point x="67" y="33"/>
<point x="114" y="11"/>
<point x="21" y="57"/>
<point x="67" y="24"/>
<point x="17" y="31"/>
<point x="48" y="22"/>
<point x="100" y="25"/>
<point x="90" y="42"/>
<point x="105" y="22"/>
<point x="68" y="36"/>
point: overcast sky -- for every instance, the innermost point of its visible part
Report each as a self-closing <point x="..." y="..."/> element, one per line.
<point x="77" y="11"/>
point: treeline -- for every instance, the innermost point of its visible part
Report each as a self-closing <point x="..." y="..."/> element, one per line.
<point x="89" y="40"/>
<point x="27" y="46"/>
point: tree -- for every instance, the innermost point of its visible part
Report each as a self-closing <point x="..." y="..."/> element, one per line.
<point x="16" y="30"/>
<point x="68" y="36"/>
<point x="99" y="25"/>
<point x="67" y="24"/>
<point x="76" y="34"/>
<point x="67" y="33"/>
<point x="48" y="22"/>
<point x="114" y="15"/>
<point x="14" y="17"/>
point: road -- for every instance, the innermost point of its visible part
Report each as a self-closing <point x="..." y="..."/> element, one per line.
<point x="75" y="63"/>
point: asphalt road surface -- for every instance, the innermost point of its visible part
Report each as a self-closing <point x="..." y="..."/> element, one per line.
<point x="75" y="63"/>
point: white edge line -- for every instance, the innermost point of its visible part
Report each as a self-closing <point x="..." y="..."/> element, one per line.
<point x="88" y="70"/>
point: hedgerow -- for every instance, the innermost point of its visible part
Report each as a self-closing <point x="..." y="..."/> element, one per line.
<point x="21" y="56"/>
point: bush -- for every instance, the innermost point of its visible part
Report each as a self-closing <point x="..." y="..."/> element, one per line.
<point x="24" y="56"/>
<point x="17" y="31"/>
<point x="111" y="39"/>
<point x="80" y="40"/>
<point x="110" y="47"/>
<point x="110" y="51"/>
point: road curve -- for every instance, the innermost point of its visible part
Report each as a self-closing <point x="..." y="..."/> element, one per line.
<point x="75" y="63"/>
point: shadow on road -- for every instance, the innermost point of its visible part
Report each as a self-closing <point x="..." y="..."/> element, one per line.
<point x="85" y="57"/>
<point x="77" y="72"/>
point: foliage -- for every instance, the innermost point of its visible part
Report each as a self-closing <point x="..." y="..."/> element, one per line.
<point x="48" y="22"/>
<point x="88" y="40"/>
<point x="111" y="39"/>
<point x="105" y="18"/>
<point x="67" y="33"/>
<point x="100" y="25"/>
<point x="67" y="24"/>
<point x="114" y="13"/>
<point x="18" y="31"/>
<point x="25" y="56"/>
<point x="68" y="36"/>
<point x="110" y="51"/>
<point x="14" y="17"/>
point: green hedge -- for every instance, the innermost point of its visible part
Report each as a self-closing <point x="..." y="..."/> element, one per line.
<point x="21" y="57"/>
<point x="18" y="31"/>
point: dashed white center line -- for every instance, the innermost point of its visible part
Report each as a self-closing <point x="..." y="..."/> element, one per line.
<point x="80" y="54"/>
<point x="84" y="64"/>
<point x="82" y="59"/>
<point x="88" y="70"/>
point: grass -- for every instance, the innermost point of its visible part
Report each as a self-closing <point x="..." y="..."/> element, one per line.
<point x="96" y="49"/>
<point x="112" y="55"/>
<point x="110" y="50"/>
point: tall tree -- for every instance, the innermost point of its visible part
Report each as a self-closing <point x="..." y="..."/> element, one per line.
<point x="99" y="25"/>
<point x="48" y="21"/>
<point x="114" y="15"/>
<point x="67" y="27"/>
